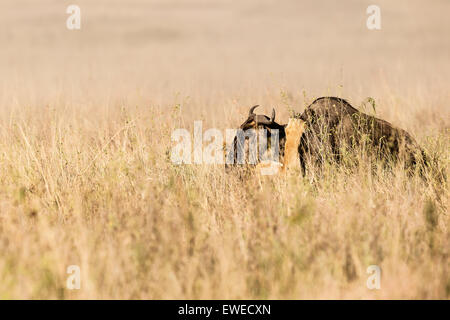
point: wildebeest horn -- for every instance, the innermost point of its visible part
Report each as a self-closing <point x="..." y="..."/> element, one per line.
<point x="252" y="109"/>
<point x="273" y="115"/>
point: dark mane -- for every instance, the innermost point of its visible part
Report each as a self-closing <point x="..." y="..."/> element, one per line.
<point x="340" y="100"/>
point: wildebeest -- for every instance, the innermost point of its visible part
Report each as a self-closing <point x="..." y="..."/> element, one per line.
<point x="254" y="123"/>
<point x="333" y="129"/>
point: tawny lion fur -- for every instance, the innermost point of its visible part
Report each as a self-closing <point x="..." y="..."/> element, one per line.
<point x="294" y="131"/>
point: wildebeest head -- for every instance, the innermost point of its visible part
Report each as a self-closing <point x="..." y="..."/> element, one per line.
<point x="258" y="120"/>
<point x="249" y="129"/>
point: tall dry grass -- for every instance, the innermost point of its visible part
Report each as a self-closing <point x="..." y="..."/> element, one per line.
<point x="85" y="146"/>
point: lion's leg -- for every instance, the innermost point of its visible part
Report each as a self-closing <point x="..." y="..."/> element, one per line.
<point x="294" y="131"/>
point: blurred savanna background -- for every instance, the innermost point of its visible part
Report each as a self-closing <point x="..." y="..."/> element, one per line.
<point x="85" y="140"/>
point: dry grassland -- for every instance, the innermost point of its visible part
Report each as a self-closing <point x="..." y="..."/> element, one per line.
<point x="85" y="126"/>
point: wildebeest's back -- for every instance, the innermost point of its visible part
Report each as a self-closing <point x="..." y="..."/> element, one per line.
<point x="333" y="125"/>
<point x="323" y="118"/>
